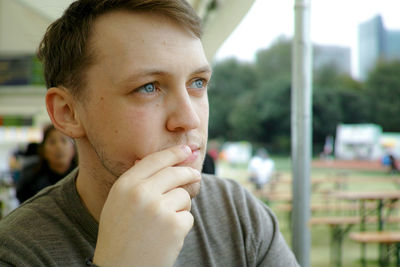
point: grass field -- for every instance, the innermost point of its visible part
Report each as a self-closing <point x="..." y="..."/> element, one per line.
<point x="364" y="180"/>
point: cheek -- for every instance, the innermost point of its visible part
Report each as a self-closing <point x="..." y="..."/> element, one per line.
<point x="203" y="111"/>
<point x="142" y="131"/>
<point x="47" y="151"/>
<point x="71" y="150"/>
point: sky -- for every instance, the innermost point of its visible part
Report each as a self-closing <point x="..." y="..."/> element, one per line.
<point x="332" y="22"/>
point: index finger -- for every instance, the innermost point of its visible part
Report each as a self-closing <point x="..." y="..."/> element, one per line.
<point x="157" y="161"/>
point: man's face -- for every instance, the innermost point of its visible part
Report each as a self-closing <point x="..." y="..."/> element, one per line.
<point x="146" y="90"/>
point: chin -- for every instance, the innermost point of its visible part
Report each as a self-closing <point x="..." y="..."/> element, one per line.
<point x="193" y="189"/>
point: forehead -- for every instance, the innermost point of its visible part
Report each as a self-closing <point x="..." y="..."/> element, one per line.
<point x="53" y="134"/>
<point x="131" y="41"/>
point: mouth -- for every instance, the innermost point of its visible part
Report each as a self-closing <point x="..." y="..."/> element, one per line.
<point x="193" y="156"/>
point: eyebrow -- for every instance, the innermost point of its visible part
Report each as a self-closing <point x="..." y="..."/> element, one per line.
<point x="205" y="69"/>
<point x="155" y="72"/>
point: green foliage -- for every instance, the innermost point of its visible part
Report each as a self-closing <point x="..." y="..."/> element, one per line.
<point x="337" y="98"/>
<point x="252" y="101"/>
<point x="231" y="80"/>
<point x="383" y="92"/>
<point x="244" y="119"/>
<point x="275" y="62"/>
<point x="273" y="67"/>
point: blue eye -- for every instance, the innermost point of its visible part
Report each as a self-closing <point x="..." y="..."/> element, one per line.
<point x="198" y="84"/>
<point x="147" y="88"/>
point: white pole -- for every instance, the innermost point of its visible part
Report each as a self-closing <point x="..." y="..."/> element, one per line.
<point x="301" y="132"/>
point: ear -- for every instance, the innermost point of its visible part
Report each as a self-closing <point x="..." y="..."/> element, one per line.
<point x="61" y="107"/>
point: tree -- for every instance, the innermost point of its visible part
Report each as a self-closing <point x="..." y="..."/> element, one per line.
<point x="244" y="118"/>
<point x="252" y="101"/>
<point x="231" y="80"/>
<point x="337" y="98"/>
<point x="273" y="94"/>
<point x="353" y="101"/>
<point x="383" y="92"/>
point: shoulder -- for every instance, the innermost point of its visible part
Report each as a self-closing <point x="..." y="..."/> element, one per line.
<point x="227" y="190"/>
<point x="31" y="234"/>
<point x="33" y="213"/>
<point x="228" y="198"/>
<point x="23" y="232"/>
<point x="227" y="210"/>
<point x="33" y="216"/>
<point x="224" y="203"/>
<point x="211" y="183"/>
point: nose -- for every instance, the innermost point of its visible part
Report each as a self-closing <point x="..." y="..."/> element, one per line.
<point x="182" y="115"/>
<point x="60" y="147"/>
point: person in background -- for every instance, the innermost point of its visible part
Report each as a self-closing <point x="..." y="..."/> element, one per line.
<point x="208" y="164"/>
<point x="261" y="168"/>
<point x="328" y="148"/>
<point x="393" y="166"/>
<point x="55" y="159"/>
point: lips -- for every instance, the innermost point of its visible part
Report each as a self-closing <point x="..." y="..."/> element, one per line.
<point x="193" y="156"/>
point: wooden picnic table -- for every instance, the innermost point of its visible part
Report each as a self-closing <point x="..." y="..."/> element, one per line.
<point x="368" y="195"/>
<point x="388" y="237"/>
<point x="378" y="196"/>
<point x="362" y="197"/>
<point x="339" y="227"/>
<point x="283" y="197"/>
<point x="382" y="238"/>
<point x="337" y="208"/>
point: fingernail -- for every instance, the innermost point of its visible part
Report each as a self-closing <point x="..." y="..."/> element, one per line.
<point x="197" y="172"/>
<point x="186" y="149"/>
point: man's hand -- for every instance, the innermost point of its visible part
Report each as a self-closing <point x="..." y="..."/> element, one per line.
<point x="147" y="214"/>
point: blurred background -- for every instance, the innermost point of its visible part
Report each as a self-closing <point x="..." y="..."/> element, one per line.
<point x="355" y="108"/>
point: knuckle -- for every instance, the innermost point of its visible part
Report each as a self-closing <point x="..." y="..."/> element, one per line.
<point x="157" y="209"/>
<point x="187" y="223"/>
<point x="172" y="223"/>
<point x="174" y="171"/>
<point x="179" y="225"/>
<point x="138" y="193"/>
<point x="188" y="171"/>
<point x="184" y="194"/>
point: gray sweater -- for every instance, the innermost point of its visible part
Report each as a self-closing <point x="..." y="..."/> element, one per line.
<point x="231" y="228"/>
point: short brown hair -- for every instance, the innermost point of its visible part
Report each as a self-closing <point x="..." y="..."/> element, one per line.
<point x="64" y="48"/>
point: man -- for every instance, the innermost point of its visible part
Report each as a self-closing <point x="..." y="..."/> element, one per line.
<point x="127" y="80"/>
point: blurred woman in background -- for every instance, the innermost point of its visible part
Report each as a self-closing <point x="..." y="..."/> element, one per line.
<point x="57" y="157"/>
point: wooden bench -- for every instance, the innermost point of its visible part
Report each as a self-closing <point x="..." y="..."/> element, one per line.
<point x="383" y="238"/>
<point x="325" y="207"/>
<point x="275" y="196"/>
<point x="333" y="220"/>
<point x="339" y="227"/>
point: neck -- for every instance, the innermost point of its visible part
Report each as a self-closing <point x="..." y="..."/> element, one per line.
<point x="93" y="182"/>
<point x="93" y="191"/>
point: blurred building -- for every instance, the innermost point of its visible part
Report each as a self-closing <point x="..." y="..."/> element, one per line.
<point x="365" y="142"/>
<point x="336" y="56"/>
<point x="376" y="42"/>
